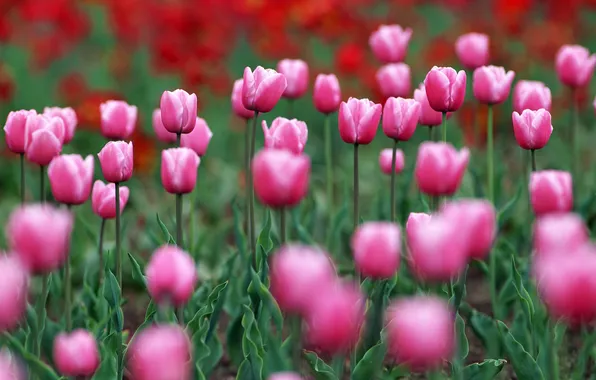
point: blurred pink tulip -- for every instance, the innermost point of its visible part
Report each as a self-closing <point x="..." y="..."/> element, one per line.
<point x="400" y="117"/>
<point x="414" y="222"/>
<point x="531" y="95"/>
<point x="160" y="352"/>
<point x="472" y="50"/>
<point x="103" y="199"/>
<point x="15" y="131"/>
<point x="492" y="84"/>
<point x="394" y="80"/>
<point x="445" y="88"/>
<point x="290" y="135"/>
<point x="428" y="116"/>
<point x="377" y="247"/>
<point x="296" y="73"/>
<point x="116" y="160"/>
<point x="171" y="275"/>
<point x="71" y="178"/>
<point x="551" y="191"/>
<point x="199" y="139"/>
<point x="14" y="283"/>
<point x="420" y="332"/>
<point x="326" y="93"/>
<point x="160" y="131"/>
<point x="118" y="119"/>
<point x="280" y="177"/>
<point x="236" y="99"/>
<point x="358" y="121"/>
<point x="10" y="367"/>
<point x="262" y="89"/>
<point x="43" y="139"/>
<point x="178" y="111"/>
<point x="284" y="376"/>
<point x="559" y="234"/>
<point x="179" y="170"/>
<point x="39" y="234"/>
<point x="385" y="161"/>
<point x="389" y="43"/>
<point x="574" y="65"/>
<point x="532" y="129"/>
<point x="69" y="118"/>
<point x="297" y="272"/>
<point x="76" y="354"/>
<point x="440" y="168"/>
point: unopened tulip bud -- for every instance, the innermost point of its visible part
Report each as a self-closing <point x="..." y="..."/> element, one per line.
<point x="296" y="73"/>
<point x="290" y="135"/>
<point x="15" y="131"/>
<point x="44" y="138"/>
<point x="262" y="89"/>
<point x="14" y="283"/>
<point x="574" y="65"/>
<point x="116" y="160"/>
<point x="400" y="117"/>
<point x="551" y="191"/>
<point x="394" y="80"/>
<point x="70" y="178"/>
<point x="118" y="119"/>
<point x="440" y="168"/>
<point x="179" y="170"/>
<point x="377" y="248"/>
<point x="472" y="50"/>
<point x="103" y="199"/>
<point x="385" y="161"/>
<point x="69" y="118"/>
<point x="359" y="120"/>
<point x="559" y="234"/>
<point x="198" y="140"/>
<point x="532" y="129"/>
<point x="160" y="131"/>
<point x="171" y="275"/>
<point x="178" y="111"/>
<point x="326" y="93"/>
<point x="76" y="354"/>
<point x="236" y="99"/>
<point x="428" y="116"/>
<point x="491" y="84"/>
<point x="389" y="43"/>
<point x="531" y="95"/>
<point x="445" y="88"/>
<point x="10" y="368"/>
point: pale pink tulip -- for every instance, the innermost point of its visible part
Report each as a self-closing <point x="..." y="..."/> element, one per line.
<point x="400" y="117"/>
<point x="179" y="170"/>
<point x="160" y="131"/>
<point x="531" y="95"/>
<point x="358" y="121"/>
<point x="472" y="50"/>
<point x="389" y="43"/>
<point x="171" y="275"/>
<point x="385" y="161"/>
<point x="574" y="65"/>
<point x="76" y="354"/>
<point x="118" y="119"/>
<point x="198" y="140"/>
<point x="10" y="367"/>
<point x="445" y="88"/>
<point x="236" y="100"/>
<point x="440" y="168"/>
<point x="296" y="73"/>
<point x="69" y="118"/>
<point x="377" y="247"/>
<point x="491" y="84"/>
<point x="559" y="234"/>
<point x="14" y="288"/>
<point x="103" y="199"/>
<point x="394" y="79"/>
<point x="285" y="376"/>
<point x="428" y="116"/>
<point x="43" y="139"/>
<point x="262" y="89"/>
<point x="551" y="191"/>
<point x="290" y="135"/>
<point x="326" y="93"/>
<point x="532" y="129"/>
<point x="116" y="160"/>
<point x="178" y="111"/>
<point x="70" y="178"/>
<point x="15" y="131"/>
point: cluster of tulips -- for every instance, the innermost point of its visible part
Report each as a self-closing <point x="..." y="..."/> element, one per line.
<point x="329" y="314"/>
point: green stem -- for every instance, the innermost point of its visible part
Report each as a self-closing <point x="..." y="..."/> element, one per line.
<point x="329" y="170"/>
<point x="554" y="357"/>
<point x="533" y="154"/>
<point x="490" y="155"/>
<point x="42" y="184"/>
<point x="180" y="315"/>
<point x="22" y="178"/>
<point x="434" y="203"/>
<point x="574" y="136"/>
<point x="178" y="138"/>
<point x="375" y="315"/>
<point x="67" y="291"/>
<point x="247" y="172"/>
<point x="282" y="225"/>
<point x="392" y="188"/>
<point x="290" y="108"/>
<point x="179" y="242"/>
<point x="431" y="134"/>
<point x="589" y="339"/>
<point x="252" y="194"/>
<point x="356" y="217"/>
<point x="444" y="126"/>
<point x="119" y="277"/>
<point x="100" y="252"/>
<point x="296" y="331"/>
<point x="41" y="306"/>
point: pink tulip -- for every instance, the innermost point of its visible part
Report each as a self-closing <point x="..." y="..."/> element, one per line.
<point x="400" y="117"/>
<point x="179" y="170"/>
<point x="377" y="247"/>
<point x="10" y="367"/>
<point x="389" y="43"/>
<point x="160" y="352"/>
<point x="39" y="235"/>
<point x="428" y="116"/>
<point x="116" y="160"/>
<point x="280" y="177"/>
<point x="76" y="354"/>
<point x="358" y="121"/>
<point x="440" y="168"/>
<point x="14" y="283"/>
<point x="394" y="79"/>
<point x="385" y="161"/>
<point x="296" y="73"/>
<point x="532" y="129"/>
<point x="171" y="275"/>
<point x="69" y="118"/>
<point x="103" y="199"/>
<point x="551" y="191"/>
<point x="15" y="131"/>
<point x="198" y="140"/>
<point x="160" y="131"/>
<point x="472" y="50"/>
<point x="290" y="135"/>
<point x="118" y="119"/>
<point x="531" y="95"/>
<point x="415" y="221"/>
<point x="420" y="332"/>
<point x="326" y="93"/>
<point x="237" y="105"/>
<point x="492" y="84"/>
<point x="296" y="273"/>
<point x="262" y="89"/>
<point x="284" y="376"/>
<point x="559" y="234"/>
<point x="574" y="65"/>
<point x="71" y="178"/>
<point x="44" y="138"/>
<point x="334" y="318"/>
<point x="445" y="88"/>
<point x="178" y="111"/>
<point x="478" y="220"/>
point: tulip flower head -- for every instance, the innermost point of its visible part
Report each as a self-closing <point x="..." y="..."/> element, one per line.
<point x="262" y="89"/>
<point x="440" y="168"/>
<point x="445" y="88"/>
<point x="290" y="135"/>
<point x="377" y="247"/>
<point x="116" y="160"/>
<point x="326" y="93"/>
<point x="559" y="234"/>
<point x="69" y="118"/>
<point x="574" y="65"/>
<point x="385" y="161"/>
<point x="76" y="354"/>
<point x="10" y="368"/>
<point x="296" y="73"/>
<point x="551" y="191"/>
<point x="198" y="140"/>
<point x="492" y="84"/>
<point x="389" y="43"/>
<point x="171" y="275"/>
<point x="236" y="99"/>
<point x="394" y="79"/>
<point x="179" y="170"/>
<point x="15" y="131"/>
<point x="531" y="95"/>
<point x="178" y="111"/>
<point x="285" y="376"/>
<point x="103" y="199"/>
<point x="428" y="116"/>
<point x="160" y="131"/>
<point x="70" y="178"/>
<point x="14" y="285"/>
<point x="118" y="119"/>
<point x="532" y="129"/>
<point x="358" y="121"/>
<point x="43" y="138"/>
<point x="472" y="50"/>
<point x="400" y="117"/>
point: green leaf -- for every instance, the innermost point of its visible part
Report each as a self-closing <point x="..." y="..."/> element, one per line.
<point x="321" y="370"/>
<point x="303" y="234"/>
<point x="486" y="370"/>
<point x="252" y="343"/>
<point x="111" y="293"/>
<point x="234" y="340"/>
<point x="137" y="272"/>
<point x="371" y="363"/>
<point x="216" y="313"/>
<point x="245" y="371"/>
<point x="207" y="310"/>
<point x="338" y="222"/>
<point x="256" y="286"/>
<point x="425" y="205"/>
<point x="463" y="346"/>
<point x="169" y="239"/>
<point x="108" y="368"/>
<point x="238" y="231"/>
<point x="505" y="211"/>
<point x="523" y="363"/>
<point x="486" y="330"/>
<point x="524" y="296"/>
<point x="33" y="363"/>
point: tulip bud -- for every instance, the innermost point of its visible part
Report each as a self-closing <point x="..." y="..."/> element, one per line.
<point x="551" y="191"/>
<point x="297" y="272"/>
<point x="326" y="93"/>
<point x="118" y="119"/>
<point x="15" y="131"/>
<point x="559" y="234"/>
<point x="400" y="117"/>
<point x="394" y="80"/>
<point x="491" y="84"/>
<point x="43" y="139"/>
<point x="237" y="105"/>
<point x="198" y="140"/>
<point x="428" y="116"/>
<point x="171" y="275"/>
<point x="574" y="65"/>
<point x="160" y="131"/>
<point x="531" y="95"/>
<point x="262" y="89"/>
<point x="69" y="118"/>
<point x="445" y="88"/>
<point x="280" y="177"/>
<point x="296" y="73"/>
<point x="178" y="111"/>
<point x="40" y="236"/>
<point x="358" y="121"/>
<point x="420" y="332"/>
<point x="385" y="161"/>
<point x="290" y="135"/>
<point x="76" y="354"/>
<point x="472" y="50"/>
<point x="179" y="170"/>
<point x="532" y="129"/>
<point x="440" y="168"/>
<point x="285" y="376"/>
<point x="103" y="199"/>
<point x="116" y="161"/>
<point x="160" y="352"/>
<point x="70" y="178"/>
<point x="10" y="368"/>
<point x="389" y="43"/>
<point x="377" y="247"/>
<point x="14" y="283"/>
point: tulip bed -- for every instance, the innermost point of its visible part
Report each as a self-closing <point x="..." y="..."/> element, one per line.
<point x="342" y="267"/>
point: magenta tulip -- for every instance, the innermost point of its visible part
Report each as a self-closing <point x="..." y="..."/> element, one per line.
<point x="377" y="247"/>
<point x="296" y="73"/>
<point x="14" y="283"/>
<point x="551" y="191"/>
<point x="43" y="139"/>
<point x="400" y="117"/>
<point x="199" y="139"/>
<point x="394" y="80"/>
<point x="385" y="161"/>
<point x="472" y="50"/>
<point x="445" y="88"/>
<point x="15" y="131"/>
<point x="389" y="43"/>
<point x="118" y="119"/>
<point x="178" y="111"/>
<point x="179" y="170"/>
<point x="71" y="178"/>
<point x="69" y="118"/>
<point x="236" y="99"/>
<point x="160" y="131"/>
<point x="532" y="129"/>
<point x="290" y="135"/>
<point x="171" y="275"/>
<point x="103" y="199"/>
<point x="531" y="95"/>
<point x="262" y="89"/>
<point x="492" y="84"/>
<point x="440" y="168"/>
<point x="116" y="160"/>
<point x="76" y="354"/>
<point x="428" y="116"/>
<point x="358" y="121"/>
<point x="326" y="93"/>
<point x="574" y="65"/>
<point x="559" y="234"/>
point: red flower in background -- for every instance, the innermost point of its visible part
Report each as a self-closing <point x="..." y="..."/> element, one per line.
<point x="6" y="84"/>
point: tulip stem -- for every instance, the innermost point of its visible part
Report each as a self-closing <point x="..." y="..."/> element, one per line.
<point x="375" y="315"/>
<point x="282" y="225"/>
<point x="100" y="253"/>
<point x="252" y="192"/>
<point x="431" y="134"/>
<point x="574" y="136"/>
<point x="533" y="155"/>
<point x="22" y="178"/>
<point x="356" y="218"/>
<point x="392" y="189"/>
<point x="444" y="117"/>
<point x="329" y="169"/>
<point x="67" y="289"/>
<point x="179" y="220"/>
<point x="119" y="275"/>
<point x="296" y="331"/>
<point x="42" y="183"/>
<point x="41" y="306"/>
<point x="554" y="360"/>
<point x="247" y="172"/>
<point x="178" y="138"/>
<point x="490" y="155"/>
